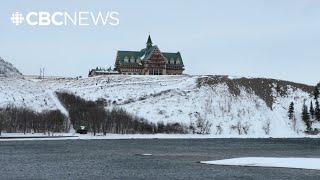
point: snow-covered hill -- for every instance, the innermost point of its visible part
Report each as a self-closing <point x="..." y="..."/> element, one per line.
<point x="233" y="106"/>
<point x="8" y="70"/>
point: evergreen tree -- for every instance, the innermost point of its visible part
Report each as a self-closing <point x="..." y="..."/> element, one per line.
<point x="306" y="117"/>
<point x="292" y="116"/>
<point x="312" y="111"/>
<point x="317" y="111"/>
<point x="316" y="93"/>
<point x="278" y="89"/>
<point x="317" y="108"/>
<point x="291" y="111"/>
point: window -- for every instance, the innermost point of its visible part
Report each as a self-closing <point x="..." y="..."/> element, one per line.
<point x="132" y="60"/>
<point x="155" y="72"/>
<point x="126" y="59"/>
<point x="178" y="61"/>
<point x="171" y="61"/>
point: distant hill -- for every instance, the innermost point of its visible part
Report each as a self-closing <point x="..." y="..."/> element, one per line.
<point x="254" y="107"/>
<point x="8" y="70"/>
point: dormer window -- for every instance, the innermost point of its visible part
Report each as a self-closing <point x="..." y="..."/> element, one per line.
<point x="126" y="59"/>
<point x="171" y="61"/>
<point x="178" y="61"/>
<point x="132" y="60"/>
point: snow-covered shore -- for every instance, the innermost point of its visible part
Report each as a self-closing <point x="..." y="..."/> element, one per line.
<point x="72" y="136"/>
<point x="172" y="99"/>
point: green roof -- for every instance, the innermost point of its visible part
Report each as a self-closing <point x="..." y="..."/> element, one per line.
<point x="149" y="40"/>
<point x="172" y="55"/>
<point x="139" y="54"/>
<point x="122" y="54"/>
<point x="143" y="53"/>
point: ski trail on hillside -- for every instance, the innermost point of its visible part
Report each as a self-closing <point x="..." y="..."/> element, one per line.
<point x="62" y="109"/>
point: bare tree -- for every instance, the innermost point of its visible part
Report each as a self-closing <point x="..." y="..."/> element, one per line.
<point x="219" y="129"/>
<point x="246" y="128"/>
<point x="202" y="124"/>
<point x="2" y="120"/>
<point x="266" y="127"/>
<point x="240" y="128"/>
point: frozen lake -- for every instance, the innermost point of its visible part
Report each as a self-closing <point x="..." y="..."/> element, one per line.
<point x="150" y="159"/>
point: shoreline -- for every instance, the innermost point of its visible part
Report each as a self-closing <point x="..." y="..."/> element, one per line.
<point x="68" y="136"/>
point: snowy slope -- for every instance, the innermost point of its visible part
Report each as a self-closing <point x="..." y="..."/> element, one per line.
<point x="174" y="99"/>
<point x="8" y="70"/>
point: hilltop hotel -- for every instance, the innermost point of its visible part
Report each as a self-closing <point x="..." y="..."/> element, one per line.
<point x="148" y="61"/>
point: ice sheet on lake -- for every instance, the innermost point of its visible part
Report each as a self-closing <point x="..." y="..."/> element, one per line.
<point x="300" y="163"/>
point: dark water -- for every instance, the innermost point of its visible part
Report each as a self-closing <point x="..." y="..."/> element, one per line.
<point x="172" y="159"/>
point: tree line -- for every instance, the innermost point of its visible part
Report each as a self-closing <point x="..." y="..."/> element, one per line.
<point x="309" y="114"/>
<point x="92" y="114"/>
<point x="23" y="120"/>
<point x="97" y="119"/>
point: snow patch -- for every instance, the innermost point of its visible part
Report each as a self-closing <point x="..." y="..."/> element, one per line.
<point x="299" y="163"/>
<point x="146" y="154"/>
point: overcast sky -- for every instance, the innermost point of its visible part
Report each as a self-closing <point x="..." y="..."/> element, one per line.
<point x="260" y="38"/>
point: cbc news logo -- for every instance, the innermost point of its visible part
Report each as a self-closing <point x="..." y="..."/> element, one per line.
<point x="59" y="18"/>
